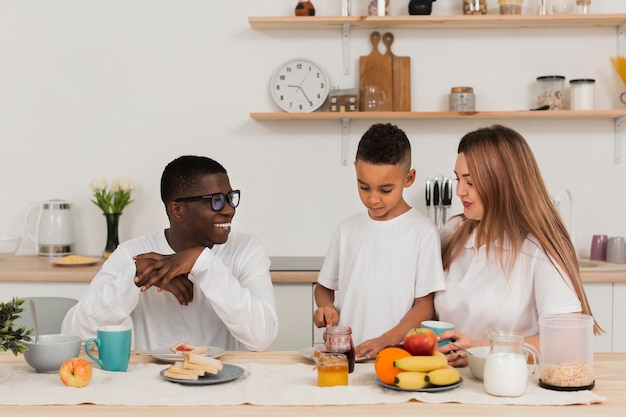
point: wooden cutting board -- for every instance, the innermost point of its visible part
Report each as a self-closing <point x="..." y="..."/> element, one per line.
<point x="400" y="77"/>
<point x="375" y="69"/>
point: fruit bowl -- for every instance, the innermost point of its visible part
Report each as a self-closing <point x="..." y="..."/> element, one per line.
<point x="48" y="355"/>
<point x="9" y="245"/>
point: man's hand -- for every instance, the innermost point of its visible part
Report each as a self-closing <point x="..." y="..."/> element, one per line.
<point x="182" y="288"/>
<point x="326" y="316"/>
<point x="153" y="269"/>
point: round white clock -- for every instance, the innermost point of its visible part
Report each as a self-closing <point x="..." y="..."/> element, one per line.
<point x="299" y="86"/>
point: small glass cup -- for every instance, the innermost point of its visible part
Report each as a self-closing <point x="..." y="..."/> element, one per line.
<point x="332" y="370"/>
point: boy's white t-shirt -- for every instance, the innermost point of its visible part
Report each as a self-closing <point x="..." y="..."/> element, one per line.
<point x="378" y="268"/>
<point x="479" y="295"/>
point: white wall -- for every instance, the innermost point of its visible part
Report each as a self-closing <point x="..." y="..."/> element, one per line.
<point x="107" y="88"/>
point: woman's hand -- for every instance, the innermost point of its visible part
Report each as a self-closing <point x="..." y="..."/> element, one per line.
<point x="454" y="350"/>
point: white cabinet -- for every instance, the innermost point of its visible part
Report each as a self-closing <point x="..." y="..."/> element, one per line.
<point x="619" y="317"/>
<point x="294" y="305"/>
<point x="600" y="297"/>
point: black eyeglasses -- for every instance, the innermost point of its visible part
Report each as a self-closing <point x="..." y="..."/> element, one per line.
<point x="218" y="200"/>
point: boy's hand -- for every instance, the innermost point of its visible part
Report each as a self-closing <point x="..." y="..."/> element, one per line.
<point x="153" y="269"/>
<point x="326" y="316"/>
<point x="370" y="348"/>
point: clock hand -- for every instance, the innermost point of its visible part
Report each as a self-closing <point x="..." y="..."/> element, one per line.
<point x="303" y="93"/>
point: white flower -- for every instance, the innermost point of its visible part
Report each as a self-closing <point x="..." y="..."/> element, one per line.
<point x="125" y="184"/>
<point x="100" y="184"/>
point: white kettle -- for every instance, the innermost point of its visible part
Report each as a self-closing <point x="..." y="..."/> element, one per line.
<point x="54" y="230"/>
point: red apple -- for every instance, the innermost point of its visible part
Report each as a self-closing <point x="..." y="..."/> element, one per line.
<point x="75" y="372"/>
<point x="420" y="342"/>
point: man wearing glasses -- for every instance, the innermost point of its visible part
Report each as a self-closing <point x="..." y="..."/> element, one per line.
<point x="195" y="281"/>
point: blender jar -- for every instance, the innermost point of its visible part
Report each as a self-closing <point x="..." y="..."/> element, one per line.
<point x="566" y="352"/>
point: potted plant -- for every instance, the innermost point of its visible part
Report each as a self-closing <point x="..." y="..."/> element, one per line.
<point x="12" y="338"/>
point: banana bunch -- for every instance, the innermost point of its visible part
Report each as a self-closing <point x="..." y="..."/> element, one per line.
<point x="424" y="371"/>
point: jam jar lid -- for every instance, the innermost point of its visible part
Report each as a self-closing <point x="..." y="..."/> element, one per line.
<point x="461" y="90"/>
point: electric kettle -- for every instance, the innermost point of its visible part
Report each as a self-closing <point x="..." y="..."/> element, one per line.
<point x="54" y="229"/>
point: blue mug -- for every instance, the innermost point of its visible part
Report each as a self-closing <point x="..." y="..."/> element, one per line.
<point x="113" y="344"/>
<point x="438" y="327"/>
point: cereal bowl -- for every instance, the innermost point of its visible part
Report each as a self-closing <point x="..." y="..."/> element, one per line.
<point x="476" y="360"/>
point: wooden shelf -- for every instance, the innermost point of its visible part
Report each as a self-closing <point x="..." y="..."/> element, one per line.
<point x="436" y="22"/>
<point x="523" y="114"/>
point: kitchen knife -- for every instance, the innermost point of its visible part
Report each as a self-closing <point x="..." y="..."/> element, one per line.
<point x="436" y="200"/>
<point x="428" y="197"/>
<point x="446" y="198"/>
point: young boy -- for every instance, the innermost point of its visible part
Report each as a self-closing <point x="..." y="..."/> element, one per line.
<point x="195" y="281"/>
<point x="384" y="264"/>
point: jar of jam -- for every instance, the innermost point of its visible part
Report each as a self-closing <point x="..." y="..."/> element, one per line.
<point x="339" y="340"/>
<point x="462" y="99"/>
<point x="332" y="370"/>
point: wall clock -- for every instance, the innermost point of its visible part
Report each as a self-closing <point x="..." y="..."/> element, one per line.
<point x="299" y="86"/>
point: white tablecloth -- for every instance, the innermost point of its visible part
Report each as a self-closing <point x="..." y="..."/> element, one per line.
<point x="261" y="384"/>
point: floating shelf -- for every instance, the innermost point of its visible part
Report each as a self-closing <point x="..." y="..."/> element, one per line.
<point x="619" y="116"/>
<point x="437" y="22"/>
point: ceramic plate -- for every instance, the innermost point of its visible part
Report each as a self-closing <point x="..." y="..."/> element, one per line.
<point x="228" y="373"/>
<point x="427" y="389"/>
<point x="308" y="353"/>
<point x="74" y="260"/>
<point x="166" y="354"/>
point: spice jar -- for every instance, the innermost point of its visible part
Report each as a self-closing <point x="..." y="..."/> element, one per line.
<point x="339" y="340"/>
<point x="474" y="6"/>
<point x="462" y="99"/>
<point x="582" y="6"/>
<point x="332" y="370"/>
<point x="551" y="91"/>
<point x="581" y="94"/>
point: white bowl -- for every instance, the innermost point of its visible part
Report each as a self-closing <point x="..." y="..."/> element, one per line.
<point x="9" y="245"/>
<point x="477" y="360"/>
<point x="48" y="355"/>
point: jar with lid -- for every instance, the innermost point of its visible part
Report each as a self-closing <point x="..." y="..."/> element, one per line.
<point x="474" y="6"/>
<point x="566" y="351"/>
<point x="462" y="99"/>
<point x="339" y="340"/>
<point x="582" y="6"/>
<point x="581" y="94"/>
<point x="332" y="370"/>
<point x="550" y="92"/>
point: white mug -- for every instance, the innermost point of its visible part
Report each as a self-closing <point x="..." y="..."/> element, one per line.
<point x="616" y="250"/>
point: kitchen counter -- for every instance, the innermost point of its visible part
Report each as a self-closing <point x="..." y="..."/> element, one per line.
<point x="284" y="269"/>
<point x="609" y="369"/>
<point x="40" y="269"/>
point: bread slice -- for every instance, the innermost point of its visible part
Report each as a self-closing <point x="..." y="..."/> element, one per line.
<point x="178" y="368"/>
<point x="180" y="376"/>
<point x="184" y="347"/>
<point x="204" y="363"/>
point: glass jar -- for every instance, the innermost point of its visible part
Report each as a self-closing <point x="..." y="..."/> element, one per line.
<point x="581" y="94"/>
<point x="462" y="99"/>
<point x="474" y="6"/>
<point x="550" y="92"/>
<point x="510" y="6"/>
<point x="339" y="340"/>
<point x="332" y="370"/>
<point x="582" y="6"/>
<point x="566" y="351"/>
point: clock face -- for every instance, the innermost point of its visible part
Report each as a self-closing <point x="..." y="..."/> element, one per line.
<point x="299" y="86"/>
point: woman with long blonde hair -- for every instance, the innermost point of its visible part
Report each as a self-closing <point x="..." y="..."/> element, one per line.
<point x="508" y="259"/>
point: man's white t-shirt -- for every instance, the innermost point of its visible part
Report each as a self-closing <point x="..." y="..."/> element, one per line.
<point x="233" y="303"/>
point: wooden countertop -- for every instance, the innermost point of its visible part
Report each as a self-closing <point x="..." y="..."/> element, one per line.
<point x="298" y="270"/>
<point x="609" y="371"/>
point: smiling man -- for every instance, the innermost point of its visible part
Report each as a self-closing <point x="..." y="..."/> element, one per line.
<point x="196" y="281"/>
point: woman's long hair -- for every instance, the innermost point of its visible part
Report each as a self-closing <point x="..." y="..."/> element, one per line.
<point x="516" y="203"/>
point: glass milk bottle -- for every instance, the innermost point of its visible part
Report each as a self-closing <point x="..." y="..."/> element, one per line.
<point x="506" y="370"/>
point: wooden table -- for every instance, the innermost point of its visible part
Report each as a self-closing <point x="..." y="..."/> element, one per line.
<point x="610" y="374"/>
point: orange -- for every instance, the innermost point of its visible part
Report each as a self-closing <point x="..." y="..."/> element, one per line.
<point x="385" y="371"/>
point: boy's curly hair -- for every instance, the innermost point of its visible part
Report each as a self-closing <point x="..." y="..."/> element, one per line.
<point x="384" y="144"/>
